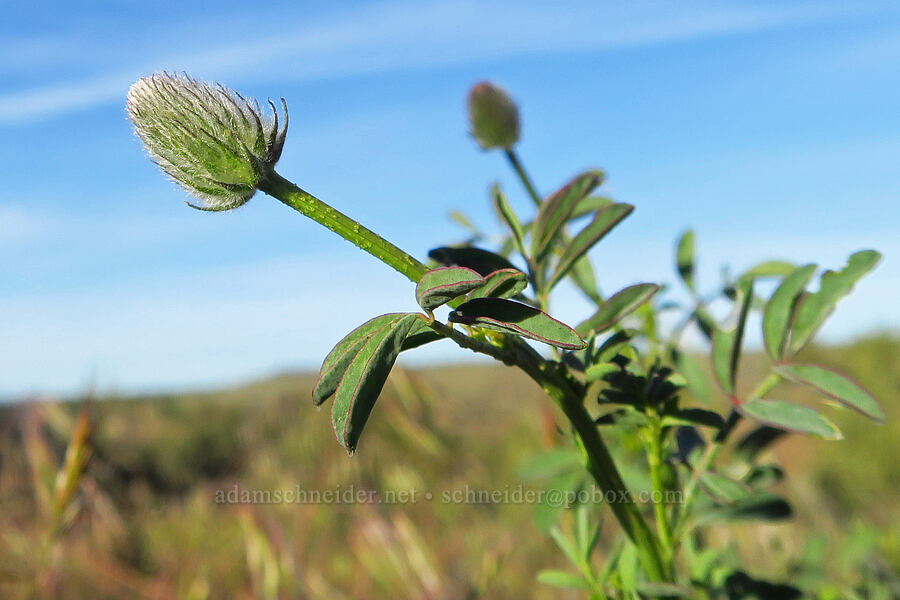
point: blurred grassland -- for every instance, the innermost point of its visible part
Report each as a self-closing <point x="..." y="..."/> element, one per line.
<point x="144" y="521"/>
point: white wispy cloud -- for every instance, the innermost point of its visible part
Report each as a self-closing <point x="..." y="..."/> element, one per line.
<point x="398" y="36"/>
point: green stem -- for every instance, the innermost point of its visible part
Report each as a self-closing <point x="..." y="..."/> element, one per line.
<point x="307" y="204"/>
<point x="690" y="490"/>
<point x="654" y="461"/>
<point x="520" y="170"/>
<point x="598" y="461"/>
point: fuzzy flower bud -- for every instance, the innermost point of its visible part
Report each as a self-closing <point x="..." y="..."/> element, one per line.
<point x="212" y="141"/>
<point x="493" y="116"/>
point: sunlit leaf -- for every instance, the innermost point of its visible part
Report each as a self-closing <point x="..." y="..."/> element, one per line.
<point x="684" y="258"/>
<point x="724" y="490"/>
<point x="439" y="286"/>
<point x="726" y="346"/>
<point x="584" y="240"/>
<point x="504" y="283"/>
<point x="364" y="378"/>
<point x="834" y="385"/>
<point x="769" y="268"/>
<point x="562" y="579"/>
<point x="790" y="416"/>
<point x="813" y="309"/>
<point x="509" y="217"/>
<point x="616" y="307"/>
<point x="337" y="361"/>
<point x="780" y="309"/>
<point x="589" y="205"/>
<point x="555" y="211"/>
<point x="516" y="318"/>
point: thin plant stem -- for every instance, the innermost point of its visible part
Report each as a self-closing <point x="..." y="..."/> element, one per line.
<point x="523" y="175"/>
<point x="598" y="460"/>
<point x="654" y="461"/>
<point x="280" y="188"/>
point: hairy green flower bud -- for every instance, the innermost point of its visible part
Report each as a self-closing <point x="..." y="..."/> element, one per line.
<point x="493" y="116"/>
<point x="212" y="141"/>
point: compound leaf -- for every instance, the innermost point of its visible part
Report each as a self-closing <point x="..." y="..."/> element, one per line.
<point x="364" y="378"/>
<point x="337" y="361"/>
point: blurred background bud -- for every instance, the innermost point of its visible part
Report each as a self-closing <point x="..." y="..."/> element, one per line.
<point x="211" y="140"/>
<point x="493" y="116"/>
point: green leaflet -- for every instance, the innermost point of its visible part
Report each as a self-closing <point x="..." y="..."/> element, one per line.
<point x="339" y="358"/>
<point x="439" y="286"/>
<point x="509" y="217"/>
<point x="813" y="309"/>
<point x="516" y="318"/>
<point x="769" y="268"/>
<point x="724" y="490"/>
<point x="562" y="579"/>
<point x="793" y="417"/>
<point x="834" y="385"/>
<point x="589" y="205"/>
<point x="555" y="211"/>
<point x="726" y="345"/>
<point x="693" y="416"/>
<point x="759" y="507"/>
<point x="365" y="376"/>
<point x="780" y="309"/>
<point x="419" y="335"/>
<point x="684" y="258"/>
<point x="619" y="305"/>
<point x="483" y="262"/>
<point x="504" y="283"/>
<point x="605" y="219"/>
<point x="582" y="275"/>
<point x="757" y="441"/>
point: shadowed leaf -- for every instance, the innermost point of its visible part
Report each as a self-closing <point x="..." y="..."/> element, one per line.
<point x="693" y="416"/>
<point x="483" y="262"/>
<point x="516" y="318"/>
<point x="760" y="507"/>
<point x="758" y="440"/>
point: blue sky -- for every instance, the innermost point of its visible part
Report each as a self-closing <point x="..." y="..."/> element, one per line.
<point x="772" y="128"/>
